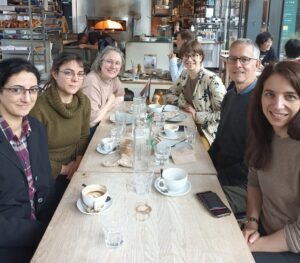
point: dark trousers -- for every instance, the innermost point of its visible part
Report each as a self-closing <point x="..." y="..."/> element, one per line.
<point x="61" y="184"/>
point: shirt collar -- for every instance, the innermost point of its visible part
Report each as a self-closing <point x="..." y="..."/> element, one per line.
<point x="7" y="131"/>
<point x="249" y="88"/>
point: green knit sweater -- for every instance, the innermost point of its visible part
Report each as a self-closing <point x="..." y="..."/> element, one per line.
<point x="67" y="126"/>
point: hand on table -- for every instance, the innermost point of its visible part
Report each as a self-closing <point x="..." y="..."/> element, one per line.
<point x="70" y="168"/>
<point x="251" y="235"/>
<point x="189" y="108"/>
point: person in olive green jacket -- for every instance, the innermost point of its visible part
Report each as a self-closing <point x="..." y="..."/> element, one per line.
<point x="65" y="111"/>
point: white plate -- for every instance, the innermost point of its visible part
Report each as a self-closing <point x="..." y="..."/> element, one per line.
<point x="181" y="192"/>
<point x="81" y="208"/>
<point x="163" y="135"/>
<point x="178" y="118"/>
<point x="171" y="108"/>
<point x="124" y="115"/>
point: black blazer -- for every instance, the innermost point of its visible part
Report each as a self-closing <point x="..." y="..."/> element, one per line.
<point x="18" y="233"/>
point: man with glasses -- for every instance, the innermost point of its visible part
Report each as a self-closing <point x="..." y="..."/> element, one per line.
<point x="228" y="150"/>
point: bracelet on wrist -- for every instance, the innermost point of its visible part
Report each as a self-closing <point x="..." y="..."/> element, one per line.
<point x="253" y="219"/>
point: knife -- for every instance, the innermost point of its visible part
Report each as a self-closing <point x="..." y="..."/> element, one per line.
<point x="178" y="142"/>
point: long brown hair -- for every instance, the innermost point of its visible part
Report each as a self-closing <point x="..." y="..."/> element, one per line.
<point x="258" y="151"/>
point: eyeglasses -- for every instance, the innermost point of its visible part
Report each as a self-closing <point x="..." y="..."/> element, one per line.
<point x="71" y="74"/>
<point x="111" y="63"/>
<point x="243" y="60"/>
<point x="192" y="56"/>
<point x="18" y="90"/>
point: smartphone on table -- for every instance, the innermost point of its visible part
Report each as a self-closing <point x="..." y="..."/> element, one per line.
<point x="213" y="204"/>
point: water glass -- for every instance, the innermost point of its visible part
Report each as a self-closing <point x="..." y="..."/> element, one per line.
<point x="162" y="153"/>
<point x="143" y="182"/>
<point x="190" y="133"/>
<point x="113" y="225"/>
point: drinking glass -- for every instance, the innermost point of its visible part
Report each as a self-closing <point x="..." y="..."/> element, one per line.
<point x="162" y="154"/>
<point x="113" y="225"/>
<point x="142" y="184"/>
<point x="190" y="134"/>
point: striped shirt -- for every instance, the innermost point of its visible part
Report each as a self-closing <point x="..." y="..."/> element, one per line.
<point x="20" y="147"/>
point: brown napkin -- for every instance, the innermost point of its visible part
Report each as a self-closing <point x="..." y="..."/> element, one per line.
<point x="183" y="156"/>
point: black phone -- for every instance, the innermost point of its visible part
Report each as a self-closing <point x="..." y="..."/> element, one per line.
<point x="213" y="204"/>
<point x="181" y="128"/>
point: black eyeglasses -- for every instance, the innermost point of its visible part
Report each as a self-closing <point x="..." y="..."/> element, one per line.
<point x="71" y="74"/>
<point x="243" y="60"/>
<point x="192" y="56"/>
<point x="18" y="90"/>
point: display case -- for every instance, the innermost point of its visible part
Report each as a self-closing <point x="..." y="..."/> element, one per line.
<point x="26" y="31"/>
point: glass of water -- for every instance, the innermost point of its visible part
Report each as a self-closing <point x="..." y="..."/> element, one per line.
<point x="190" y="133"/>
<point x="114" y="225"/>
<point x="162" y="154"/>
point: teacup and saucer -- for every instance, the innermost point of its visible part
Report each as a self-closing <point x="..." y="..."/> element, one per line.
<point x="106" y="146"/>
<point x="174" y="182"/>
<point x="170" y="132"/>
<point x="94" y="199"/>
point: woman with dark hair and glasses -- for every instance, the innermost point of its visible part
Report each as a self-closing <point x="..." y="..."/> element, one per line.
<point x="102" y="84"/>
<point x="26" y="188"/>
<point x="273" y="154"/>
<point x="65" y="112"/>
<point x="198" y="91"/>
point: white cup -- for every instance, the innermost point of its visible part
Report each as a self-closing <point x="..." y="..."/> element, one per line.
<point x="107" y="144"/>
<point x="171" y="129"/>
<point x="94" y="196"/>
<point x="175" y="178"/>
<point x="155" y="108"/>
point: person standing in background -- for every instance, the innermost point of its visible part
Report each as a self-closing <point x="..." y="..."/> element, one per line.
<point x="176" y="65"/>
<point x="27" y="188"/>
<point x="65" y="112"/>
<point x="267" y="53"/>
<point x="273" y="154"/>
<point x="228" y="149"/>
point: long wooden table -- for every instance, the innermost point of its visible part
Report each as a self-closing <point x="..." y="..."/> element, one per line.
<point x="93" y="161"/>
<point x="179" y="229"/>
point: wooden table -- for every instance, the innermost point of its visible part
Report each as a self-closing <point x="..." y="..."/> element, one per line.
<point x="93" y="161"/>
<point x="179" y="229"/>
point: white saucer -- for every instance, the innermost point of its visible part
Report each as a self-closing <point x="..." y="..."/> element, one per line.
<point x="162" y="134"/>
<point x="181" y="192"/>
<point x="81" y="208"/>
<point x="100" y="150"/>
<point x="169" y="107"/>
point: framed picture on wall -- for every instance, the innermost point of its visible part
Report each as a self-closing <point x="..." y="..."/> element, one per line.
<point x="150" y="63"/>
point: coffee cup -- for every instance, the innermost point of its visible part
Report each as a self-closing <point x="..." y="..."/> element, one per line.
<point x="174" y="178"/>
<point x="171" y="129"/>
<point x="107" y="144"/>
<point x="155" y="108"/>
<point x="94" y="196"/>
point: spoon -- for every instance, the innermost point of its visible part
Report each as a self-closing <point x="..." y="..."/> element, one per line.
<point x="161" y="184"/>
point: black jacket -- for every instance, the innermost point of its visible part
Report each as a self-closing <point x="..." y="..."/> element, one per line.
<point x="19" y="235"/>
